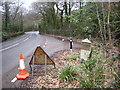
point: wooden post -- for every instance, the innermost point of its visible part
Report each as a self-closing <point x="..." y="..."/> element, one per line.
<point x="45" y="65"/>
<point x="33" y="66"/>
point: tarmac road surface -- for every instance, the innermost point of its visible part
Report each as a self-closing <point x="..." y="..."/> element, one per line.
<point x="25" y="44"/>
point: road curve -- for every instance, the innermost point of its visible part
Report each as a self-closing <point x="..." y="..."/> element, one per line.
<point x="25" y="44"/>
<point x="12" y="48"/>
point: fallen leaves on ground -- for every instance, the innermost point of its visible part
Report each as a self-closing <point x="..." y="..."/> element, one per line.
<point x="51" y="79"/>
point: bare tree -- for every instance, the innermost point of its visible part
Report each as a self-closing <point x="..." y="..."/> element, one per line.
<point x="61" y="14"/>
<point x="16" y="9"/>
<point x="104" y="23"/>
<point x="108" y="22"/>
<point x="99" y="22"/>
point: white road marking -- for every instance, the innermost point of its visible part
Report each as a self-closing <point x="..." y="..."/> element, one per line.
<point x="9" y="47"/>
<point x="45" y="43"/>
<point x="16" y="41"/>
<point x="14" y="79"/>
<point x="26" y="39"/>
<point x="44" y="46"/>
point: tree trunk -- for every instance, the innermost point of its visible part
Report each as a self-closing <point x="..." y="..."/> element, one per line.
<point x="21" y="22"/>
<point x="99" y="22"/>
<point x="65" y="6"/>
<point x="16" y="11"/>
<point x="61" y="14"/>
<point x="104" y="29"/>
<point x="6" y="16"/>
<point x="61" y="19"/>
<point x="108" y="22"/>
<point x="69" y="9"/>
<point x="80" y="5"/>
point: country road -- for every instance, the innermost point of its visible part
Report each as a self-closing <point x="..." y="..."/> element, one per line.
<point x="25" y="44"/>
<point x="12" y="48"/>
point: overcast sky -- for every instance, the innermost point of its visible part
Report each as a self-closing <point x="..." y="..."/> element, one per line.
<point x="27" y="3"/>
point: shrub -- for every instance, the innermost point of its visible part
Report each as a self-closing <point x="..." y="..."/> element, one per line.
<point x="92" y="70"/>
<point x="70" y="58"/>
<point x="76" y="53"/>
<point x="17" y="34"/>
<point x="91" y="74"/>
<point x="85" y="82"/>
<point x="28" y="28"/>
<point x="5" y="36"/>
<point x="67" y="73"/>
<point x="13" y="27"/>
<point x="90" y="64"/>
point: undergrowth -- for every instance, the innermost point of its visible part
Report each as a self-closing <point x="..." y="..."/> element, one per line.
<point x="67" y="73"/>
<point x="96" y="72"/>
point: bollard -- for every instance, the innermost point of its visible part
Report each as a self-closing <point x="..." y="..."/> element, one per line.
<point x="71" y="41"/>
<point x="85" y="49"/>
<point x="63" y="44"/>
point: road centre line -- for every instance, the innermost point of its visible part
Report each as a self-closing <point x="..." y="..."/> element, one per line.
<point x="13" y="45"/>
<point x="21" y="39"/>
<point x="9" y="47"/>
<point x="45" y="44"/>
<point x="26" y="39"/>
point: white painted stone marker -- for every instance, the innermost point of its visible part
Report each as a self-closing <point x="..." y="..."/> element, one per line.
<point x="85" y="49"/>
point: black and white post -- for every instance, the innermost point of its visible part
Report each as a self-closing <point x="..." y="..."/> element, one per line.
<point x="71" y="43"/>
<point x="62" y="44"/>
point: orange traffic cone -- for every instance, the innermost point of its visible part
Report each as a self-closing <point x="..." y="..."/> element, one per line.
<point x="22" y="71"/>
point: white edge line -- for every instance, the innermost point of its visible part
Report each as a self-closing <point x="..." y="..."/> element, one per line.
<point x="14" y="79"/>
<point x="9" y="47"/>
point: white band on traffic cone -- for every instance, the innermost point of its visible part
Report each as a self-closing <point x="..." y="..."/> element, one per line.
<point x="22" y="65"/>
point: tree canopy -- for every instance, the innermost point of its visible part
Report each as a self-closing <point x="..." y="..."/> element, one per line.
<point x="73" y="19"/>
